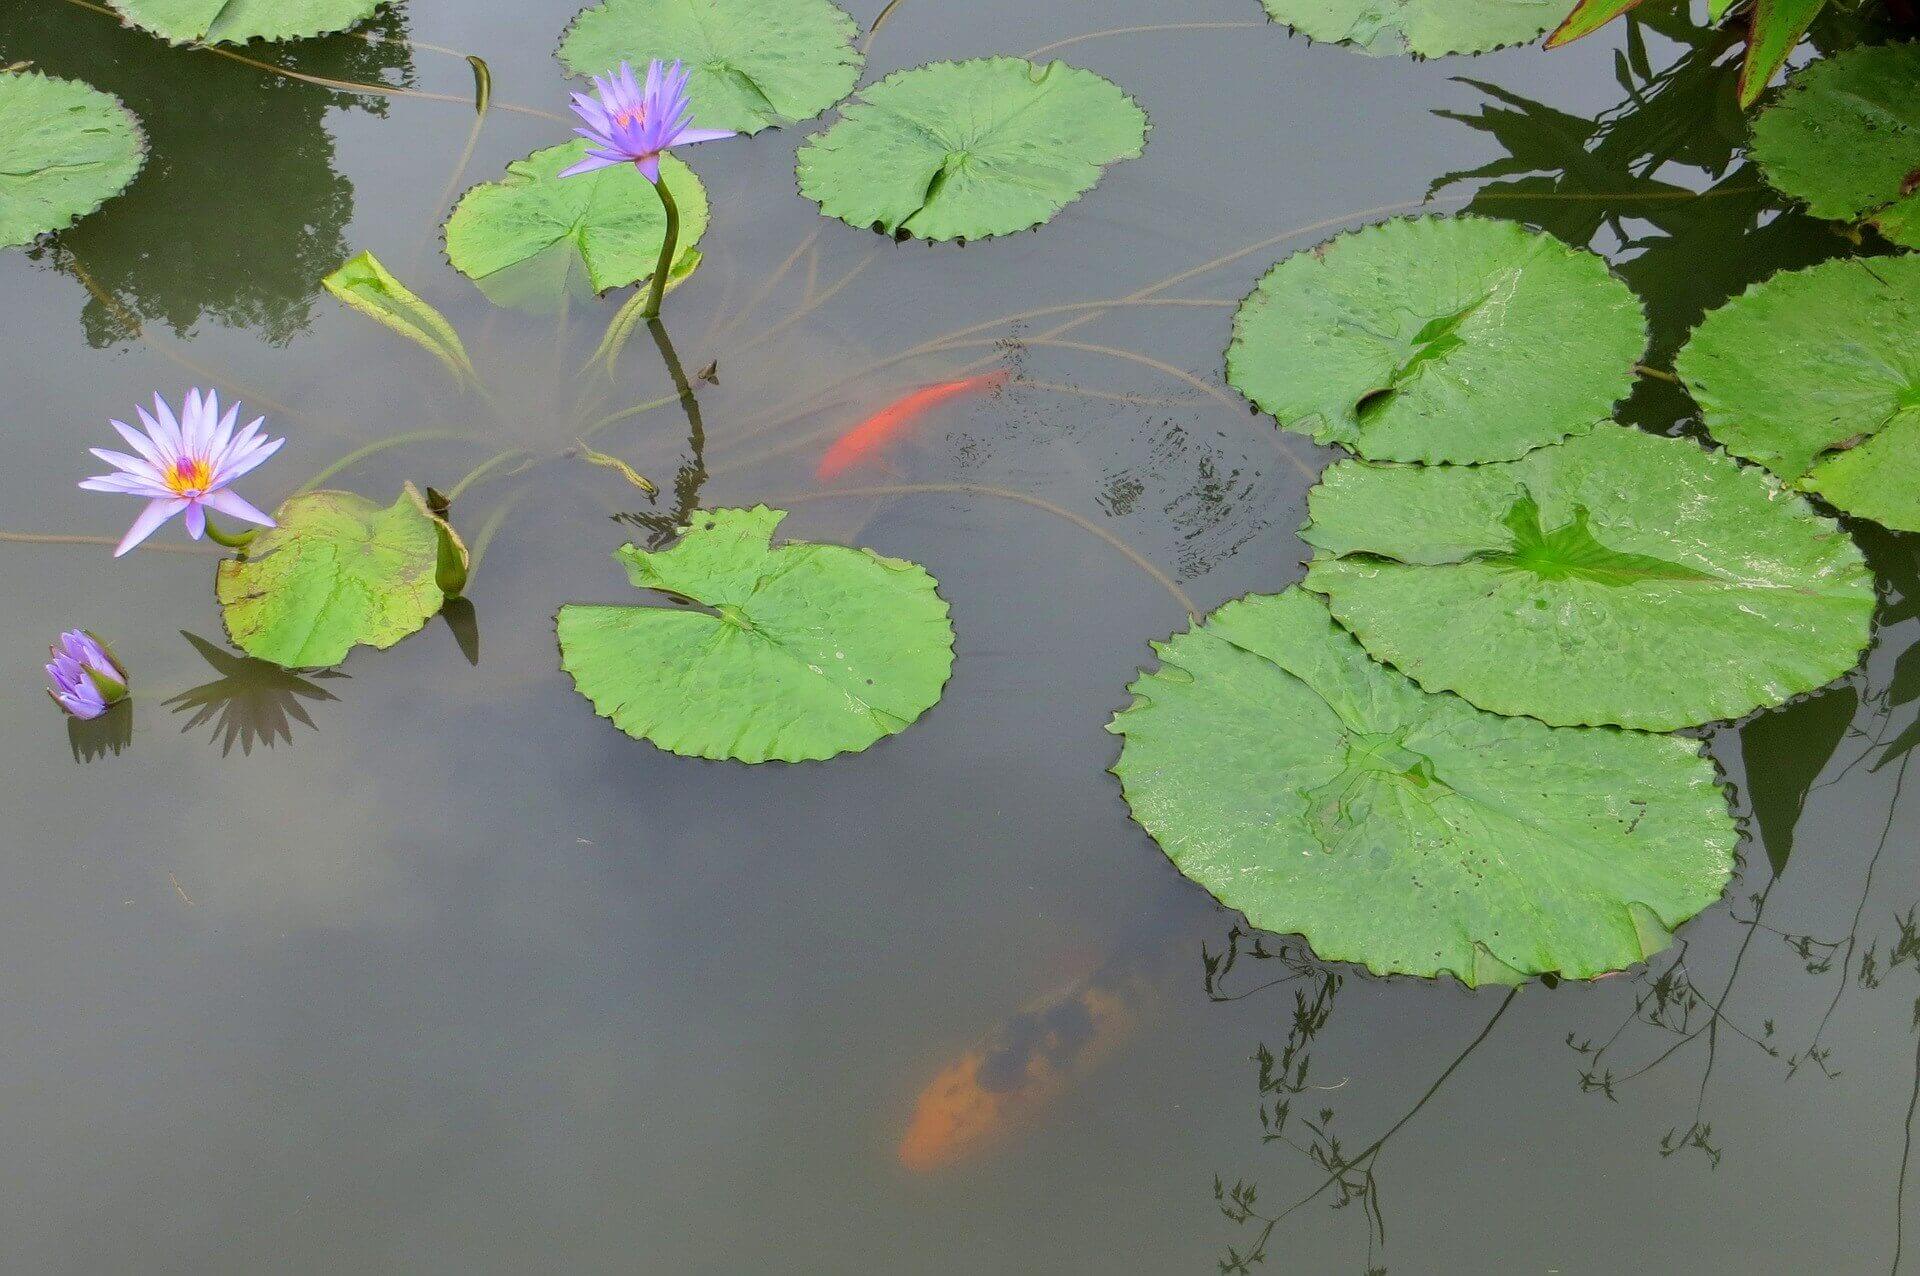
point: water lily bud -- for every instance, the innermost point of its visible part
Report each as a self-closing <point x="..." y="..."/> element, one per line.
<point x="87" y="679"/>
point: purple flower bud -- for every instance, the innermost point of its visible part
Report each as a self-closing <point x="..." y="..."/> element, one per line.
<point x="86" y="679"/>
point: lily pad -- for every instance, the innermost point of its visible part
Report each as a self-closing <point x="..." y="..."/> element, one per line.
<point x="338" y="572"/>
<point x="65" y="149"/>
<point x="964" y="150"/>
<point x="238" y="21"/>
<point x="752" y="64"/>
<point x="1424" y="28"/>
<point x="795" y="652"/>
<point x="1325" y="795"/>
<point x="608" y="221"/>
<point x="1815" y="374"/>
<point x="1844" y="135"/>
<point x="1438" y="339"/>
<point x="1622" y="577"/>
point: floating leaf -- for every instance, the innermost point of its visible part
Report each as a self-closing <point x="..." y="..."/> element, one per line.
<point x="798" y="652"/>
<point x="238" y="21"/>
<point x="1322" y="794"/>
<point x="370" y="288"/>
<point x="964" y="150"/>
<point x="752" y="64"/>
<point x="1619" y="578"/>
<point x="1438" y="339"/>
<point x="1844" y="136"/>
<point x="1815" y="374"/>
<point x="1424" y="28"/>
<point x="608" y="221"/>
<point x="65" y="149"/>
<point x="337" y="572"/>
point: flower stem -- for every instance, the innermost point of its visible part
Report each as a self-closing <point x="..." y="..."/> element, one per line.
<point x="232" y="540"/>
<point x="657" y="286"/>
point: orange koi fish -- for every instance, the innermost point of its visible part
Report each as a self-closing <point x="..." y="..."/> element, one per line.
<point x="874" y="433"/>
<point x="1003" y="1082"/>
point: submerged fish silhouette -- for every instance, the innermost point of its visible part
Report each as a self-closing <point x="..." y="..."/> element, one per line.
<point x="874" y="433"/>
<point x="1002" y="1082"/>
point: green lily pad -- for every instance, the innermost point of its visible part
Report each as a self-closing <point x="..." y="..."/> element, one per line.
<point x="65" y="149"/>
<point x="1438" y="339"/>
<point x="1324" y="795"/>
<point x="1815" y="374"/>
<point x="238" y="21"/>
<point x="338" y="572"/>
<point x="608" y="221"/>
<point x="1622" y="578"/>
<point x="751" y="64"/>
<point x="797" y="652"/>
<point x="1424" y="28"/>
<point x="1844" y="135"/>
<point x="964" y="150"/>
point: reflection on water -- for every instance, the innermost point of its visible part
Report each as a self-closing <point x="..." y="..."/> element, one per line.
<point x="251" y="701"/>
<point x="238" y="212"/>
<point x="96" y="738"/>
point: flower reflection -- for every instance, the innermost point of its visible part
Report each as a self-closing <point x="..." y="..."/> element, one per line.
<point x="95" y="738"/>
<point x="251" y="702"/>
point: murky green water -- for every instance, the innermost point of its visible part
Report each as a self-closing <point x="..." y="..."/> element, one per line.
<point x="422" y="967"/>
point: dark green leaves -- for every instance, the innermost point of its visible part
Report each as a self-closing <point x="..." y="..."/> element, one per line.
<point x="794" y="652"/>
<point x="65" y="149"/>
<point x="1438" y="340"/>
<point x="338" y="572"/>
<point x="238" y="21"/>
<point x="964" y="150"/>
<point x="1321" y="793"/>
<point x="1566" y="585"/>
<point x="752" y="64"/>
<point x="1845" y="137"/>
<point x="535" y="223"/>
<point x="1424" y="28"/>
<point x="1815" y="374"/>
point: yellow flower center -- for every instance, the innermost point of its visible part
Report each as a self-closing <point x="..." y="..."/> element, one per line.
<point x="634" y="115"/>
<point x="189" y="474"/>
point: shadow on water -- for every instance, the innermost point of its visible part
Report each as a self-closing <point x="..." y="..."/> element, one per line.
<point x="193" y="239"/>
<point x="252" y="702"/>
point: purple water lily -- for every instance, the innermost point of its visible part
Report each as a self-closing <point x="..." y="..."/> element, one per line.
<point x="86" y="679"/>
<point x="184" y="466"/>
<point x="635" y="125"/>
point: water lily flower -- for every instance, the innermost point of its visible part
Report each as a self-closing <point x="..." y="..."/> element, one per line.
<point x="86" y="680"/>
<point x="184" y="467"/>
<point x="635" y="125"/>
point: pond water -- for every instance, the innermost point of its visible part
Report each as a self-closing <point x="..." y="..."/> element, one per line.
<point x="421" y="966"/>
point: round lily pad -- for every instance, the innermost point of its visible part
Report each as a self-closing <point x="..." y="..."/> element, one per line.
<point x="1438" y="339"/>
<point x="238" y="21"/>
<point x="1815" y="374"/>
<point x="964" y="150"/>
<point x="338" y="572"/>
<point x="608" y="221"/>
<point x="795" y="652"/>
<point x="1622" y="577"/>
<point x="65" y="149"/>
<point x="1424" y="28"/>
<point x="751" y="64"/>
<point x="1844" y="135"/>
<point x="1325" y="795"/>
